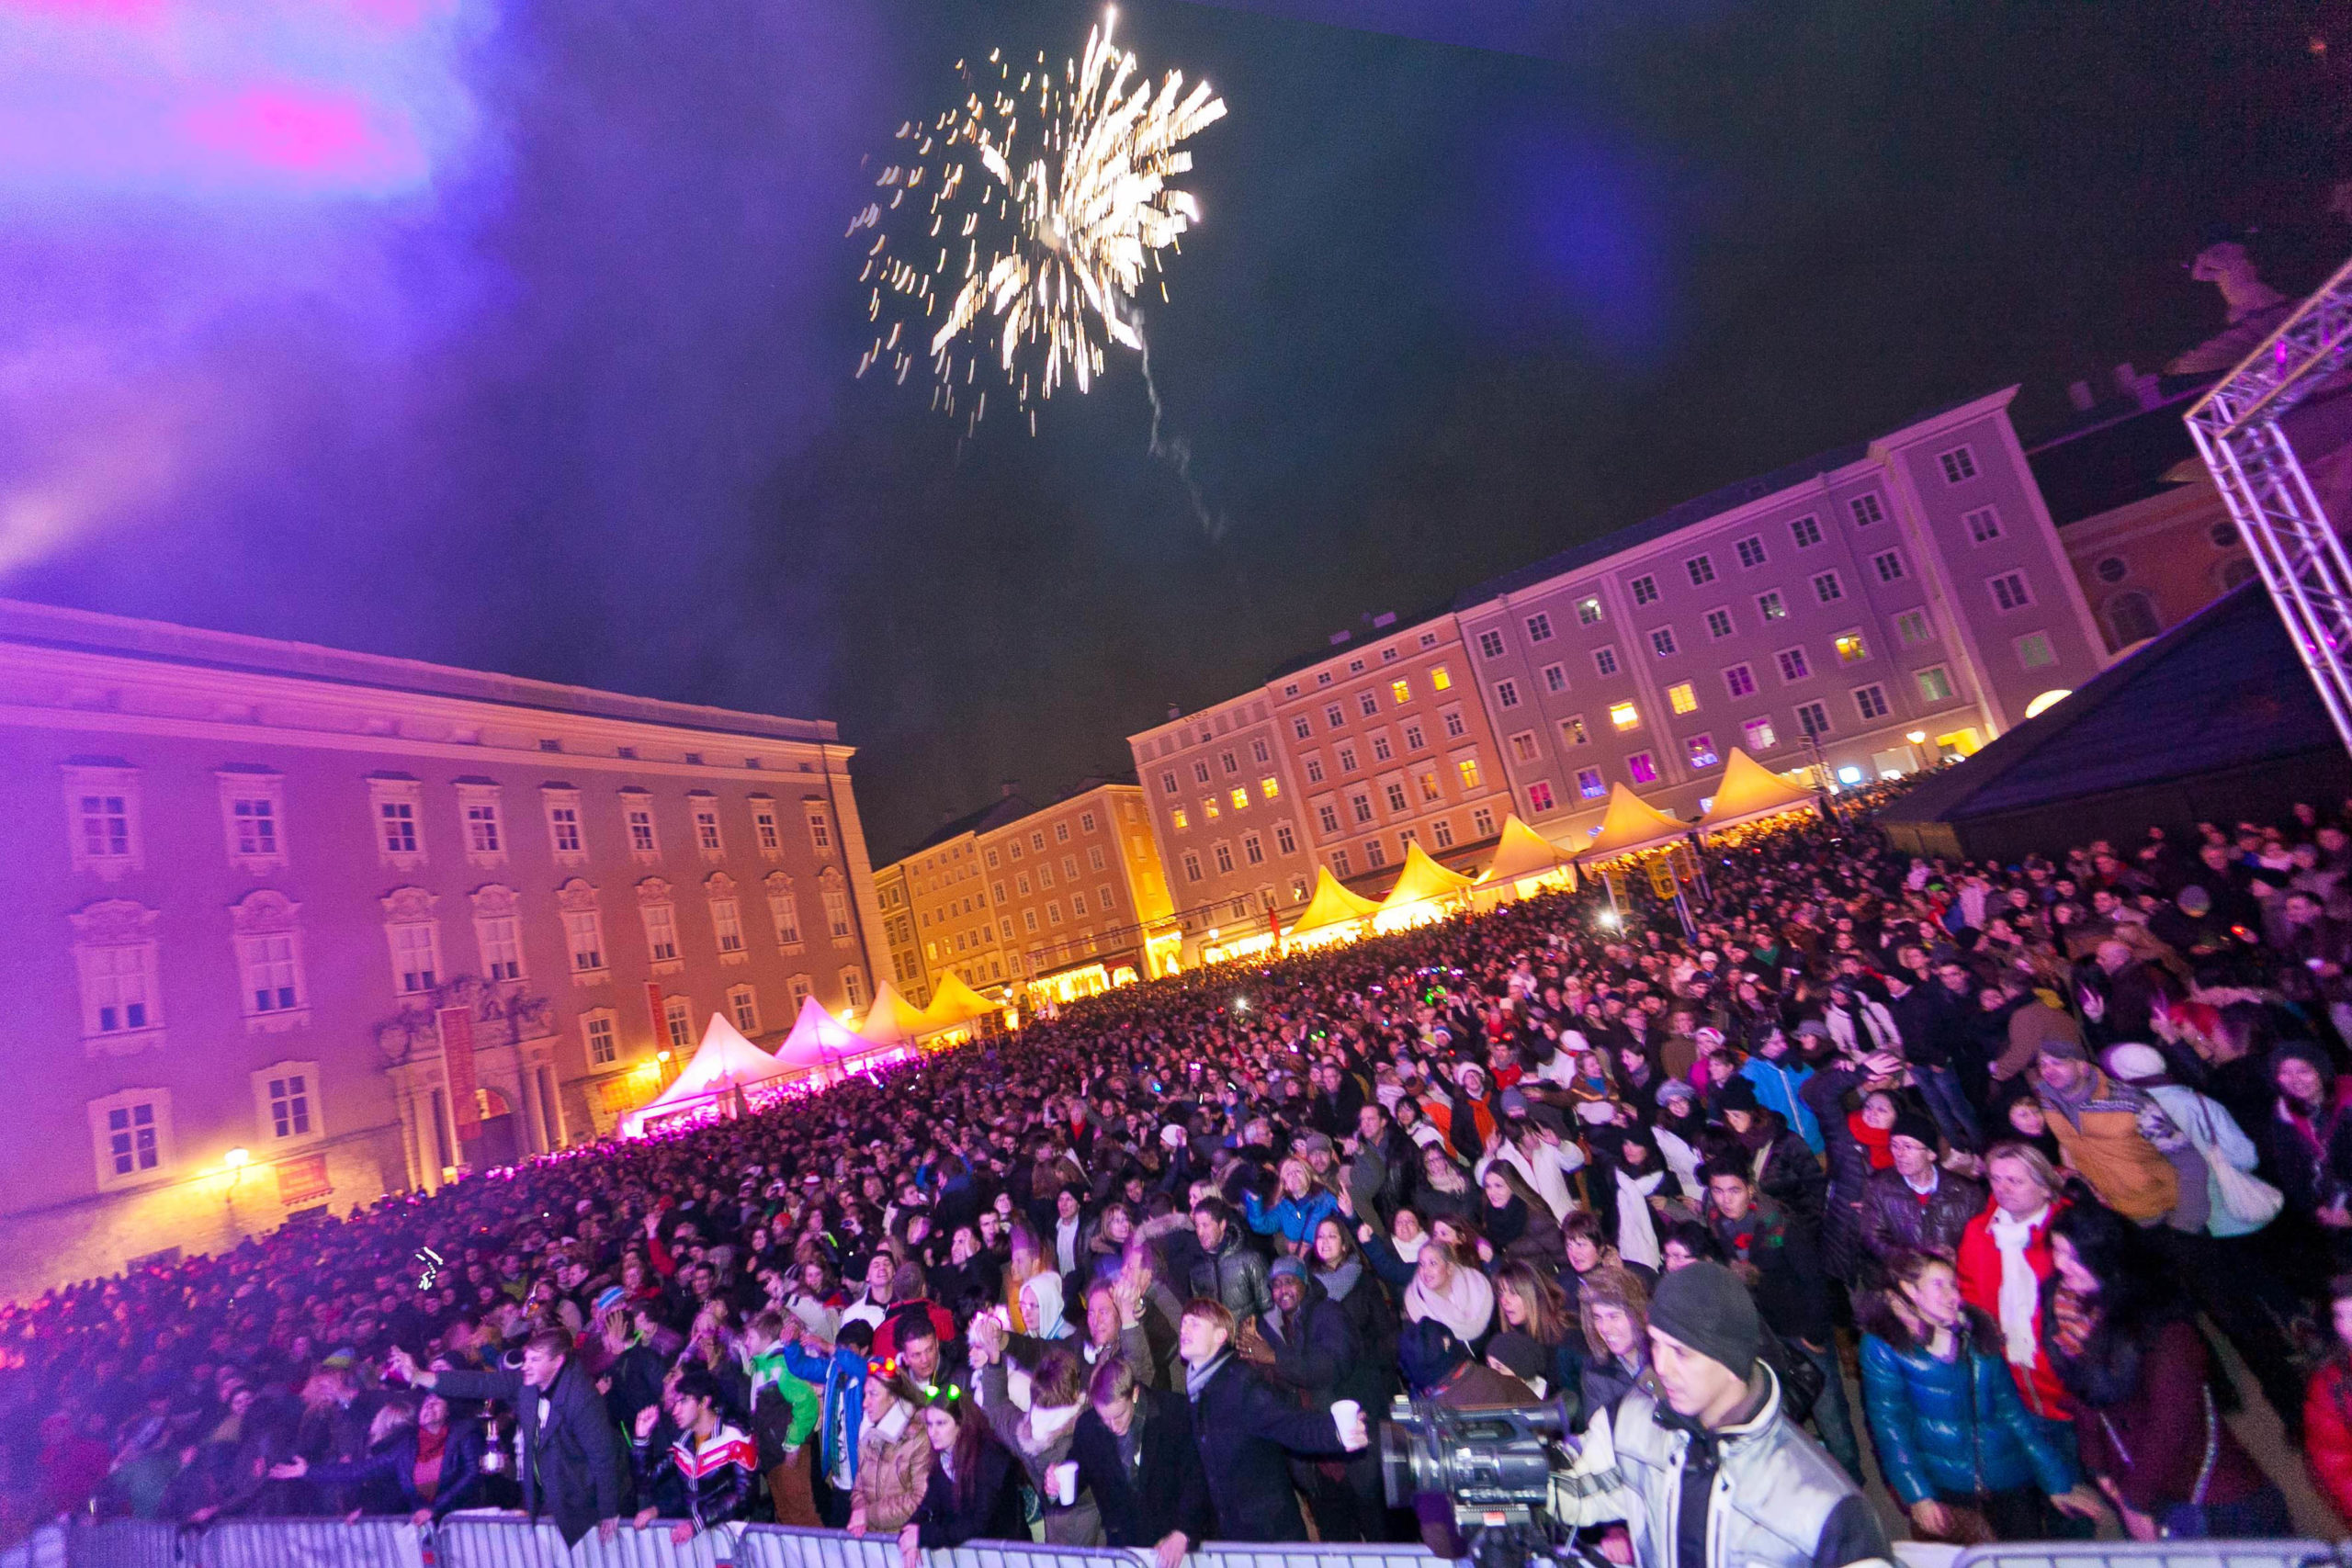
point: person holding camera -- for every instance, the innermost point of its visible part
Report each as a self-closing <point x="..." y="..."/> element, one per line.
<point x="1701" y="1462"/>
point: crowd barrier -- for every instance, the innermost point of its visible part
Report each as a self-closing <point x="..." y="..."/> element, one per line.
<point x="488" y="1542"/>
<point x="2157" y="1555"/>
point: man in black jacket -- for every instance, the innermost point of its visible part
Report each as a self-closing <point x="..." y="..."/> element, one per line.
<point x="574" y="1465"/>
<point x="1243" y="1431"/>
<point x="1303" y="1347"/>
<point x="1135" y="1450"/>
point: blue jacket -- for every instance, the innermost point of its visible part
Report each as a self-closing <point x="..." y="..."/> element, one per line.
<point x="1949" y="1429"/>
<point x="1777" y="1088"/>
<point x="842" y="1377"/>
<point x="1293" y="1219"/>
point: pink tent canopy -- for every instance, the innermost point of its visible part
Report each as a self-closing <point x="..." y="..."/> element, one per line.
<point x="723" y="1063"/>
<point x="820" y="1040"/>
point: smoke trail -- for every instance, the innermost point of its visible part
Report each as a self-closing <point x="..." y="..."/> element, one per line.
<point x="1175" y="450"/>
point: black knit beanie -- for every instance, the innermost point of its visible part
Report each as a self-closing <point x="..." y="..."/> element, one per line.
<point x="1704" y="1306"/>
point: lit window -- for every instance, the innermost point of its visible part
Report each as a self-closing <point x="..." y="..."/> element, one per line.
<point x="1934" y="686"/>
<point x="1625" y="715"/>
<point x="1539" y="797"/>
<point x="1806" y="531"/>
<point x="1572" y="730"/>
<point x="1267" y="788"/>
<point x="1468" y="768"/>
<point x="1241" y="800"/>
<point x="1851" y="649"/>
<point x="1589" y="785"/>
<point x="1431" y="793"/>
<point x="1439" y="680"/>
<point x="1700" y="751"/>
<point x="1641" y="767"/>
<point x="1681" y="698"/>
<point x="1182" y="822"/>
<point x="1758" y="734"/>
<point x="1589" y="611"/>
<point x="1400" y="689"/>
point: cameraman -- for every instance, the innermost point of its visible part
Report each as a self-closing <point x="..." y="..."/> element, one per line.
<point x="1701" y="1461"/>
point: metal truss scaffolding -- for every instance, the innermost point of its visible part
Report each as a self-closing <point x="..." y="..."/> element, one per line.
<point x="2296" y="549"/>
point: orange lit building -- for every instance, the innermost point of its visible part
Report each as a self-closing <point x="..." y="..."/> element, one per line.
<point x="1076" y="891"/>
<point x="947" y="911"/>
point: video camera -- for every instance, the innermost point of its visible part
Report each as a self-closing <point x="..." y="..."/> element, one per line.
<point x="1494" y="1465"/>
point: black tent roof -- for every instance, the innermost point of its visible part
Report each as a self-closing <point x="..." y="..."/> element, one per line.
<point x="2221" y="696"/>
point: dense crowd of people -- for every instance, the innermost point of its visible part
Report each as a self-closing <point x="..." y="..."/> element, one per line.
<point x="1973" y="1163"/>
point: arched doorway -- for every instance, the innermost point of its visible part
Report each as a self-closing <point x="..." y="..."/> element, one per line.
<point x="2131" y="617"/>
<point x="499" y="1143"/>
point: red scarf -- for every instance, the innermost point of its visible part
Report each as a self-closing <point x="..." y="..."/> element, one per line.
<point x="1878" y="1141"/>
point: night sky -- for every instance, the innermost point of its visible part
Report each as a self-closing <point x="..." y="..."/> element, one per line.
<point x="520" y="336"/>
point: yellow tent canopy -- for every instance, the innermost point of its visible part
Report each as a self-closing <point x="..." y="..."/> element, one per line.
<point x="1421" y="887"/>
<point x="1522" y="854"/>
<point x="954" y="1002"/>
<point x="1751" y="792"/>
<point x="893" y="1020"/>
<point x="1632" y="825"/>
<point x="1331" y="907"/>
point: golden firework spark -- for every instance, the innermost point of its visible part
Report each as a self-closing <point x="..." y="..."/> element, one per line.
<point x="1020" y="225"/>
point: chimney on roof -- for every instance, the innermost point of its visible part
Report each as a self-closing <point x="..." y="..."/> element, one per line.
<point x="2079" y="394"/>
<point x="2140" y="389"/>
<point x="1175" y="711"/>
<point x="1338" y="638"/>
<point x="1385" y="618"/>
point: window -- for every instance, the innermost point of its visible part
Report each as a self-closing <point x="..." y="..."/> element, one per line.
<point x="415" y="942"/>
<point x="1467" y="767"/>
<point x="1751" y="550"/>
<point x="678" y="1023"/>
<point x="1507" y="694"/>
<point x="1867" y="510"/>
<point x="2131" y="617"/>
<point x="398" y="835"/>
<point x="583" y="935"/>
<point x="1340" y="863"/>
<point x="1589" y="611"/>
<point x="660" y="932"/>
<point x="1555" y="678"/>
<point x="820" y="830"/>
<point x="286" y="1095"/>
<point x="1625" y="715"/>
<point x="1360" y="806"/>
<point x="1826" y="588"/>
<point x="1394" y="790"/>
<point x="1482" y="822"/>
<point x="1740" y="681"/>
<point x="603" y="1039"/>
<point x="1805" y="531"/>
<point x="1700" y="751"/>
<point x="726" y="925"/>
<point x="1166" y="783"/>
<point x="1253" y="850"/>
<point x="1382" y="751"/>
<point x="1888" y="565"/>
<point x="835" y="897"/>
<point x="1589" y="785"/>
<point x="1400" y="692"/>
<point x="1439" y="680"/>
<point x="1645" y="590"/>
<point x="1200" y="776"/>
<point x="2111" y="569"/>
<point x="1366" y="704"/>
<point x="1935" y="684"/>
<point x="1539" y="797"/>
<point x="1758" y="734"/>
<point x="800" y="987"/>
<point x="1641" y="767"/>
<point x="1328" y="818"/>
<point x="1298" y="727"/>
<point x="1285" y="841"/>
<point x="114" y="950"/>
<point x="1347" y="758"/>
<point x="1522" y="748"/>
<point x="1455" y="728"/>
<point x="636" y="811"/>
<point x="269" y="958"/>
<point x="1240" y="798"/>
<point x="1959" y="465"/>
<point x="1572" y="730"/>
<point x="1984" y="524"/>
<point x="1770" y="606"/>
<point x="1793" y="664"/>
<point x="1432" y="793"/>
<point x="103" y="806"/>
<point x="1491" y="644"/>
<point x="1538" y="628"/>
<point x="252" y="804"/>
<point x="1662" y="642"/>
<point x="707" y="837"/>
<point x="1605" y="661"/>
<point x="1719" y="624"/>
<point x="1086" y="818"/>
<point x="1812" y="719"/>
<point x="1851" y="649"/>
<point x="1441" y="833"/>
<point x="1870" y="702"/>
<point x="133" y="1133"/>
<point x="1414" y="740"/>
<point x="2009" y="590"/>
<point x="1053" y="905"/>
<point x="1183" y="822"/>
<point x="2033" y="651"/>
<point x="1314" y="769"/>
<point x="743" y="1007"/>
<point x="1681" y="698"/>
<point x="1912" y="627"/>
<point x="1224" y="852"/>
<point x="563" y="824"/>
<point x="1701" y="569"/>
<point x="1333" y="718"/>
<point x="485" y="837"/>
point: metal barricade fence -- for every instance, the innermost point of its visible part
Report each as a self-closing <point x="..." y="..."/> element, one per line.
<point x="2154" y="1554"/>
<point x="1310" y="1554"/>
<point x="370" y="1542"/>
<point x="45" y="1548"/>
<point x="121" y="1544"/>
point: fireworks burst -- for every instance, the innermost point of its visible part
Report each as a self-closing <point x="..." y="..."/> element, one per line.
<point x="1020" y="225"/>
